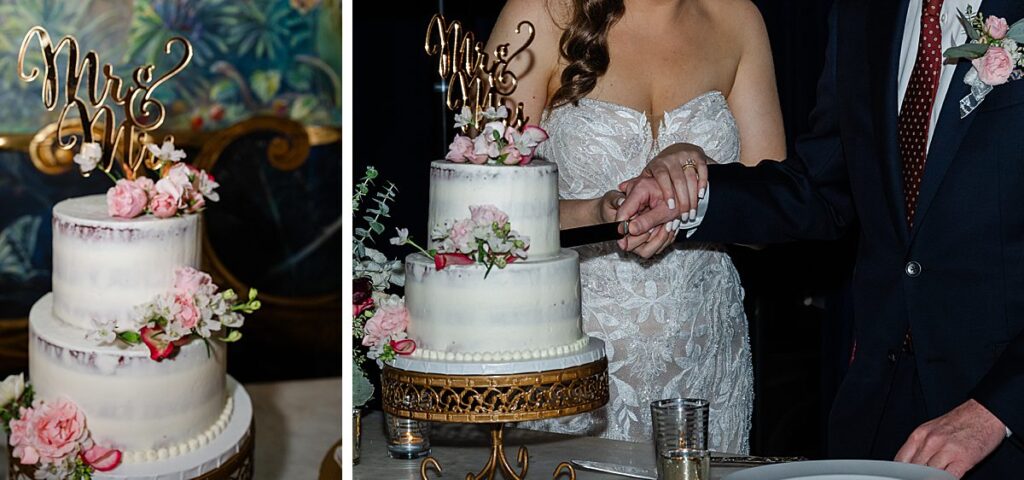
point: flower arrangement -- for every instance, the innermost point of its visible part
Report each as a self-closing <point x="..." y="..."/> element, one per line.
<point x="51" y="437"/>
<point x="485" y="237"/>
<point x="192" y="309"/>
<point x="379" y="319"/>
<point x="180" y="188"/>
<point x="996" y="53"/>
<point x="489" y="140"/>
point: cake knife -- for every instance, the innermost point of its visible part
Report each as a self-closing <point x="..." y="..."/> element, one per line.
<point x="576" y="237"/>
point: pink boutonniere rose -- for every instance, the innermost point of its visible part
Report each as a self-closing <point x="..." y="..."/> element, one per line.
<point x="994" y="49"/>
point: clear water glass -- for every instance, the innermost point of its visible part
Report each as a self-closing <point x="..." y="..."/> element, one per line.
<point x="681" y="438"/>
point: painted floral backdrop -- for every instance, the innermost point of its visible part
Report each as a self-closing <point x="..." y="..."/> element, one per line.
<point x="281" y="57"/>
<point x="278" y="57"/>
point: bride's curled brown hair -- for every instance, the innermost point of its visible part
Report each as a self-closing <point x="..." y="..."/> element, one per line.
<point x="584" y="46"/>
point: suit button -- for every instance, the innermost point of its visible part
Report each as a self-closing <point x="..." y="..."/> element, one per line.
<point x="892" y="356"/>
<point x="913" y="269"/>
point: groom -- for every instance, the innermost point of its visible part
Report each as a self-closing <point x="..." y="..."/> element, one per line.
<point x="937" y="369"/>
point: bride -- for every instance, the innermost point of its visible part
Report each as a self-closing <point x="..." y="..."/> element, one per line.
<point x="595" y="74"/>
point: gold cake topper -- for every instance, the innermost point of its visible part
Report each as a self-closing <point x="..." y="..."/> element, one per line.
<point x="124" y="143"/>
<point x="474" y="79"/>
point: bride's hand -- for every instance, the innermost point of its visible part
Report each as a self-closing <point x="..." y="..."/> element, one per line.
<point x="681" y="171"/>
<point x="608" y="206"/>
<point x="652" y="242"/>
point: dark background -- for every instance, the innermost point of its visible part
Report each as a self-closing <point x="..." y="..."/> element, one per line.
<point x="795" y="294"/>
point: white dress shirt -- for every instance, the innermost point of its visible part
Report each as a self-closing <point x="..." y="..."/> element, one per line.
<point x="952" y="35"/>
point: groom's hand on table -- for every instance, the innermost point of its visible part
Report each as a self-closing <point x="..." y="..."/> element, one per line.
<point x="956" y="441"/>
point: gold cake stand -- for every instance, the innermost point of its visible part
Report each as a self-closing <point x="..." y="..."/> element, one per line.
<point x="495" y="400"/>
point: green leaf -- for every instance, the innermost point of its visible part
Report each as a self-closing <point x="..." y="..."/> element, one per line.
<point x="970" y="51"/>
<point x="362" y="389"/>
<point x="361" y="232"/>
<point x="233" y="336"/>
<point x="265" y="84"/>
<point x="252" y="294"/>
<point x="377" y="228"/>
<point x="1016" y="32"/>
<point x="972" y="32"/>
<point x="131" y="338"/>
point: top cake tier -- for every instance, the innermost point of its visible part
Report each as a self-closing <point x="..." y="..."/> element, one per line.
<point x="528" y="194"/>
<point x="104" y="267"/>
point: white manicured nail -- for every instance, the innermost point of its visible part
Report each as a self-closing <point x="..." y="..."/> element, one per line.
<point x="684" y="216"/>
<point x="693" y="213"/>
<point x="651" y="230"/>
<point x="619" y="202"/>
<point x="676" y="224"/>
<point x="668" y="227"/>
<point x="671" y="204"/>
<point x="701" y="192"/>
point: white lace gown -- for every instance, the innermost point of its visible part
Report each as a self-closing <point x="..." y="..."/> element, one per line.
<point x="674" y="325"/>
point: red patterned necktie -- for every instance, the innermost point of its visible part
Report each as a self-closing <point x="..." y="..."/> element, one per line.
<point x="916" y="112"/>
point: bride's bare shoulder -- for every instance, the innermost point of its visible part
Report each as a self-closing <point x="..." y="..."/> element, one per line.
<point x="547" y="16"/>
<point x="738" y="19"/>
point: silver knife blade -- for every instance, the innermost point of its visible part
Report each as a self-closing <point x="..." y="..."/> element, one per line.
<point x="615" y="469"/>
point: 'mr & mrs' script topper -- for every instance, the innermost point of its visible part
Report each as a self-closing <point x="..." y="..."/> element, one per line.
<point x="474" y="79"/>
<point x="122" y="143"/>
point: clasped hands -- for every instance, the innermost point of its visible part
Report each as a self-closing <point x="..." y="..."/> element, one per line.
<point x="661" y="200"/>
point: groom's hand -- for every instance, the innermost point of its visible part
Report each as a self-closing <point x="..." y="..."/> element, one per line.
<point x="644" y="206"/>
<point x="956" y="441"/>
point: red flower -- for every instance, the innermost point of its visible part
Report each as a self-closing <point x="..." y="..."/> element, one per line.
<point x="359" y="308"/>
<point x="101" y="459"/>
<point x="403" y="347"/>
<point x="159" y="346"/>
<point x="362" y="288"/>
<point x="442" y="260"/>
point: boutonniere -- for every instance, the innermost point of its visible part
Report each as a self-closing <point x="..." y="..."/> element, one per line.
<point x="995" y="50"/>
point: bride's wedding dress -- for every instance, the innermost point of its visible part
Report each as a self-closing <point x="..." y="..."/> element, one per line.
<point x="674" y="326"/>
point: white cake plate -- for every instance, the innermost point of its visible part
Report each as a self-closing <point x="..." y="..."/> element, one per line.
<point x="593" y="352"/>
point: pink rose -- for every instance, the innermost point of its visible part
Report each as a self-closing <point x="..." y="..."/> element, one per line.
<point x="190" y="280"/>
<point x="126" y="200"/>
<point x="996" y="27"/>
<point x="462" y="235"/>
<point x="145" y="183"/>
<point x="488" y="215"/>
<point x="48" y="432"/>
<point x="512" y="155"/>
<point x="163" y="205"/>
<point x="187" y="313"/>
<point x="995" y="67"/>
<point x="388" y="320"/>
<point x="196" y="202"/>
<point x="461" y="150"/>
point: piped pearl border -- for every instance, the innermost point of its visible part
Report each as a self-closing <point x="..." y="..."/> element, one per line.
<point x="183" y="447"/>
<point x="517" y="355"/>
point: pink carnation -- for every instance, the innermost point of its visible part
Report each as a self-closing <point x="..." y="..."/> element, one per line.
<point x="995" y="67"/>
<point x="461" y="150"/>
<point x="190" y="280"/>
<point x="512" y="155"/>
<point x="387" y="321"/>
<point x="163" y="205"/>
<point x="188" y="314"/>
<point x="47" y="433"/>
<point x="145" y="183"/>
<point x="462" y="235"/>
<point x="126" y="200"/>
<point x="996" y="27"/>
<point x="488" y="215"/>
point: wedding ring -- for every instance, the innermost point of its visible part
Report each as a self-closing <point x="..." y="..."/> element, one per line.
<point x="625" y="227"/>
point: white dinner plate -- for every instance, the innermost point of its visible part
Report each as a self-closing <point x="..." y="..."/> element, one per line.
<point x="842" y="470"/>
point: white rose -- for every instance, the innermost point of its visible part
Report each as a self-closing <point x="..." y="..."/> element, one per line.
<point x="12" y="388"/>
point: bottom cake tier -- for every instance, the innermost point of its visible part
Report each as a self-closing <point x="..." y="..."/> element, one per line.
<point x="229" y="455"/>
<point x="150" y="410"/>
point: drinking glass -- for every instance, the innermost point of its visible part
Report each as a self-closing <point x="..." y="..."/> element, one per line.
<point x="407" y="438"/>
<point x="681" y="438"/>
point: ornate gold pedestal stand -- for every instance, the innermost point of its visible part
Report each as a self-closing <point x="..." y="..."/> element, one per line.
<point x="495" y="400"/>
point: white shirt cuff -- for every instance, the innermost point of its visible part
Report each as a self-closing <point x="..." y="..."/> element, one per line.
<point x="690" y="225"/>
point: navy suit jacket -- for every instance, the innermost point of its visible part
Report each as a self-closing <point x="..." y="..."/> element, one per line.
<point x="963" y="296"/>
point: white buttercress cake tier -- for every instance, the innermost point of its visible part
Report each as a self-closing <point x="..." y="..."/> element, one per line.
<point x="527" y="310"/>
<point x="103" y="266"/>
<point x="147" y="409"/>
<point x="528" y="194"/>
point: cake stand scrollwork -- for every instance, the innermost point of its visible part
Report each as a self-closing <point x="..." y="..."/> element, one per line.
<point x="495" y="400"/>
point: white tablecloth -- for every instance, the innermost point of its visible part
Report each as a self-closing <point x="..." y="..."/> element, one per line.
<point x="296" y="423"/>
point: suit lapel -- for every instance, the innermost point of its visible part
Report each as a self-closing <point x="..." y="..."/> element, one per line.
<point x="951" y="129"/>
<point x="885" y="79"/>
